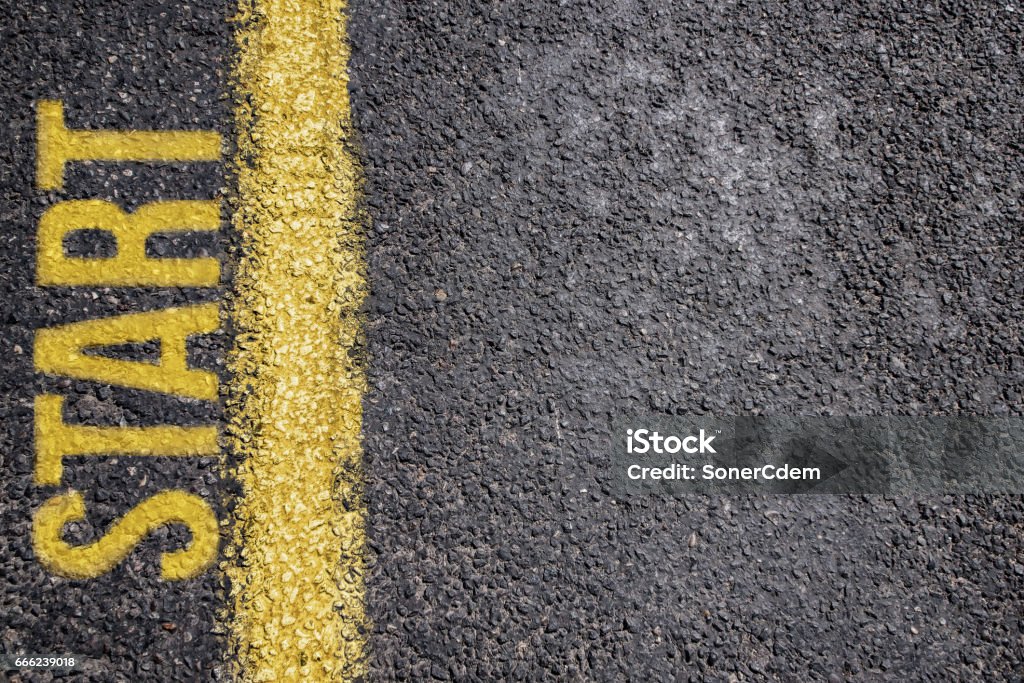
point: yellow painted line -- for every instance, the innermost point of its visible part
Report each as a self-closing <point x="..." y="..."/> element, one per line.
<point x="295" y="562"/>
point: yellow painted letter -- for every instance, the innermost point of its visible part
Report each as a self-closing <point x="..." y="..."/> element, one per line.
<point x="58" y="350"/>
<point x="131" y="266"/>
<point x="56" y="440"/>
<point x="91" y="560"/>
<point x="56" y="145"/>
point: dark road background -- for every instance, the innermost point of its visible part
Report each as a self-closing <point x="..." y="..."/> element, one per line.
<point x="146" y="65"/>
<point x="599" y="209"/>
<point x="583" y="210"/>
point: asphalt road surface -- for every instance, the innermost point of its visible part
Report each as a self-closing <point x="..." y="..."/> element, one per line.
<point x="578" y="211"/>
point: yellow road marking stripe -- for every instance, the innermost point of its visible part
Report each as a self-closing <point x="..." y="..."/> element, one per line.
<point x="295" y="564"/>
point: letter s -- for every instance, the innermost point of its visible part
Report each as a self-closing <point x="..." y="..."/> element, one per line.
<point x="92" y="560"/>
<point x="643" y="444"/>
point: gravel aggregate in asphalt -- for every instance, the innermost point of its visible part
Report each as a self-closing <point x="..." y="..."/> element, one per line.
<point x="689" y="208"/>
<point x="582" y="210"/>
<point x="147" y="65"/>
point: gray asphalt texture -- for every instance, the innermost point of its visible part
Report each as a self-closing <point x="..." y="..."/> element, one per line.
<point x="583" y="211"/>
<point x="596" y="209"/>
<point x="115" y="65"/>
